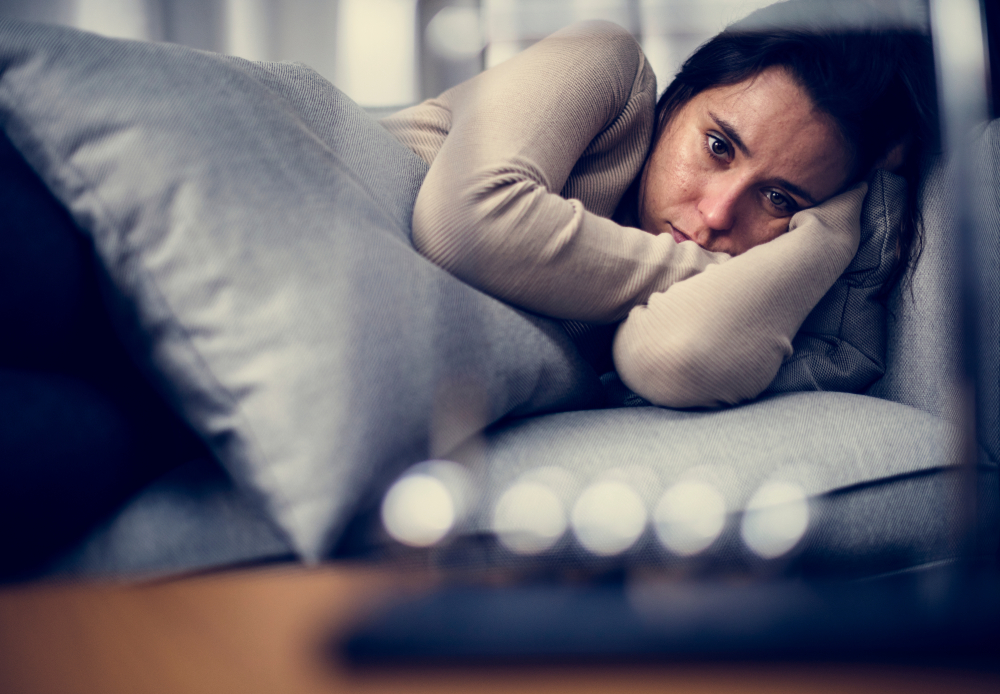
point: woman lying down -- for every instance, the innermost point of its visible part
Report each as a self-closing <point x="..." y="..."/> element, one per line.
<point x="709" y="224"/>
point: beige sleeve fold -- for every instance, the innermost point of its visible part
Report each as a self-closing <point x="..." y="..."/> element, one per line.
<point x="720" y="336"/>
<point x="573" y="115"/>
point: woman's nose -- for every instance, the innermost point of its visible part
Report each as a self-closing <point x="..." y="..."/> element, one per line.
<point x="718" y="204"/>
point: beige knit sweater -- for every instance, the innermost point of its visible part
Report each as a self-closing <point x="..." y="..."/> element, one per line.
<point x="528" y="162"/>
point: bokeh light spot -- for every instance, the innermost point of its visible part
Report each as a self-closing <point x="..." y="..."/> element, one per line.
<point x="529" y="518"/>
<point x="776" y="519"/>
<point x="689" y="516"/>
<point x="455" y="33"/>
<point x="608" y="517"/>
<point x="418" y="510"/>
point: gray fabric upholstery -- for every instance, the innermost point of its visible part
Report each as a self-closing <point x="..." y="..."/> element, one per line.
<point x="986" y="255"/>
<point x="901" y="522"/>
<point x="253" y="226"/>
<point x="822" y="441"/>
<point x="192" y="518"/>
<point x="882" y="490"/>
<point x="810" y="15"/>
<point x="923" y="330"/>
<point x="925" y="323"/>
<point x="887" y="525"/>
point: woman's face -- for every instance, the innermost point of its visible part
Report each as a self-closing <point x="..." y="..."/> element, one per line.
<point x="736" y="162"/>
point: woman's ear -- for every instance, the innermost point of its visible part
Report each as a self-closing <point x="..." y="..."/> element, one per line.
<point x="896" y="155"/>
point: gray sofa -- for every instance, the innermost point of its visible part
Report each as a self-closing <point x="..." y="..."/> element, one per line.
<point x="251" y="228"/>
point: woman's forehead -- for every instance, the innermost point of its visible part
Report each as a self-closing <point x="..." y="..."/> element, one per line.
<point x="764" y="102"/>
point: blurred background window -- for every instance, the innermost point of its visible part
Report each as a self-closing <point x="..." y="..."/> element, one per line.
<point x="386" y="54"/>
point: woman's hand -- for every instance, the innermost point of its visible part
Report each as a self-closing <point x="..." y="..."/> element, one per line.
<point x="719" y="337"/>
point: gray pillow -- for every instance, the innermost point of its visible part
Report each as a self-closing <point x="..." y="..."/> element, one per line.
<point x="841" y="344"/>
<point x="252" y="225"/>
<point x="869" y="487"/>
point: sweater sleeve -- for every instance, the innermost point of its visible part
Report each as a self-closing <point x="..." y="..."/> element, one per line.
<point x="720" y="337"/>
<point x="490" y="211"/>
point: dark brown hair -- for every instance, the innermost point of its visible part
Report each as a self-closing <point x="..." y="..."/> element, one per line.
<point x="877" y="85"/>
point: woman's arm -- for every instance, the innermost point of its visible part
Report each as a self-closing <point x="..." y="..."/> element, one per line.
<point x="490" y="209"/>
<point x="720" y="336"/>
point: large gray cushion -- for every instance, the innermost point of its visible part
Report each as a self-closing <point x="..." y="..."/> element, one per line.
<point x="252" y="224"/>
<point x="879" y="476"/>
<point x="841" y="345"/>
<point x="882" y="489"/>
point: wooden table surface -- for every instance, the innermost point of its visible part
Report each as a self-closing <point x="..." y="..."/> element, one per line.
<point x="264" y="630"/>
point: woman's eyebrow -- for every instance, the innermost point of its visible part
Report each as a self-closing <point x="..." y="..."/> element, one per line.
<point x="795" y="190"/>
<point x="730" y="132"/>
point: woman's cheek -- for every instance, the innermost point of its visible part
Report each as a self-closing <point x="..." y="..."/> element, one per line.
<point x="686" y="178"/>
<point x="777" y="228"/>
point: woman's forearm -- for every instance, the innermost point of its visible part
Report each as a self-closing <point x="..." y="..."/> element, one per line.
<point x="549" y="255"/>
<point x="719" y="337"/>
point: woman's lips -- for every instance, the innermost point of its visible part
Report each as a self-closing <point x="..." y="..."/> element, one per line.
<point x="679" y="236"/>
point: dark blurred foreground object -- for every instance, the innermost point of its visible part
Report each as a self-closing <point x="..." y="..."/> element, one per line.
<point x="81" y="429"/>
<point x="936" y="618"/>
<point x="262" y="630"/>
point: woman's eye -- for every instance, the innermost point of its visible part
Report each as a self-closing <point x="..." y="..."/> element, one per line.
<point x="718" y="147"/>
<point x="779" y="200"/>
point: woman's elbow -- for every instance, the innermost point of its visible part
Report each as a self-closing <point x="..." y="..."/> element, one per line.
<point x="684" y="371"/>
<point x="434" y="234"/>
<point x="463" y="227"/>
